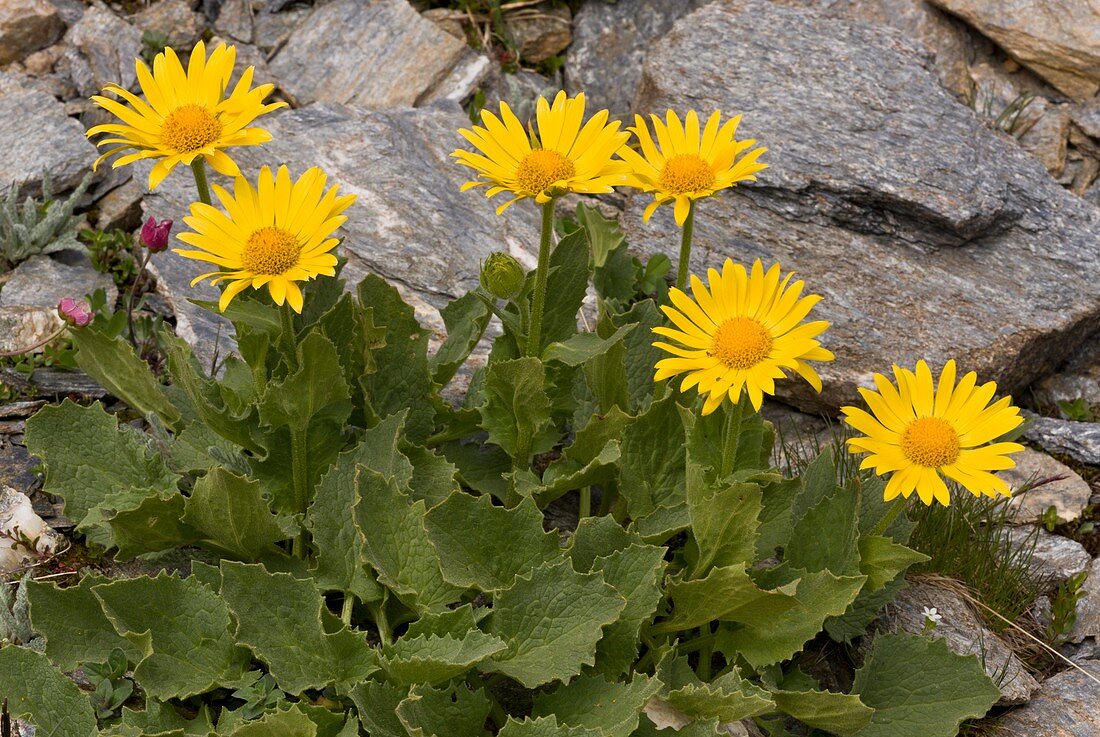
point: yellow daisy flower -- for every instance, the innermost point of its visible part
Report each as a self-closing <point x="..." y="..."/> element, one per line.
<point x="919" y="431"/>
<point x="277" y="234"/>
<point x="743" y="332"/>
<point x="187" y="114"/>
<point x="687" y="164"/>
<point x="566" y="157"/>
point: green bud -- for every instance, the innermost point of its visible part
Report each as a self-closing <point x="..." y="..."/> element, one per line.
<point x="502" y="275"/>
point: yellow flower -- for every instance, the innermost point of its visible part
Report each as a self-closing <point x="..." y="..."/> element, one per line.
<point x="919" y="431"/>
<point x="276" y="235"/>
<point x="566" y="157"/>
<point x="187" y="113"/>
<point x="687" y="164"/>
<point x="742" y="333"/>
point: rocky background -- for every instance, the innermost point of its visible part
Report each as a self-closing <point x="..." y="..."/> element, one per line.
<point x="935" y="174"/>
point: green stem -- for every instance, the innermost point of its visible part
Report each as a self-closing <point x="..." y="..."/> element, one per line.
<point x="198" y="168"/>
<point x="521" y="462"/>
<point x="729" y="438"/>
<point x="298" y="465"/>
<point x="706" y="652"/>
<point x="39" y="344"/>
<point x="586" y="502"/>
<point x="289" y="336"/>
<point x="133" y="291"/>
<point x="378" y="612"/>
<point x="538" y="302"/>
<point x="891" y="515"/>
<point x="685" y="248"/>
<point x="345" y="611"/>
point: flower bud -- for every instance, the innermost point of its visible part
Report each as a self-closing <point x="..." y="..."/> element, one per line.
<point x="74" y="312"/>
<point x="502" y="275"/>
<point x="154" y="235"/>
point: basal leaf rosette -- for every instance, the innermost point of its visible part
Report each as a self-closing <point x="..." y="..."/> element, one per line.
<point x="276" y="234"/>
<point x="741" y="333"/>
<point x="186" y="113"/>
<point x="685" y="163"/>
<point x="560" y="156"/>
<point x="920" y="432"/>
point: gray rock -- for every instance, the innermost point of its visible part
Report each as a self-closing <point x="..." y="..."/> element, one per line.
<point x="1078" y="379"/>
<point x="121" y="207"/>
<point x="410" y="225"/>
<point x="51" y="382"/>
<point x="42" y="281"/>
<point x="235" y="20"/>
<point x="174" y="19"/>
<point x="610" y="41"/>
<point x="1078" y="440"/>
<point x="1069" y="494"/>
<point x="36" y="135"/>
<point x="27" y="26"/>
<point x="101" y="49"/>
<point x="23" y="326"/>
<point x="1087" y="117"/>
<point x="963" y="632"/>
<point x="1064" y="707"/>
<point x="920" y="250"/>
<point x="1054" y="558"/>
<point x="270" y="29"/>
<point x="520" y="90"/>
<point x="16" y="464"/>
<point x="1088" y="607"/>
<point x="388" y="56"/>
<point x="461" y="82"/>
<point x="540" y="32"/>
<point x="1046" y="140"/>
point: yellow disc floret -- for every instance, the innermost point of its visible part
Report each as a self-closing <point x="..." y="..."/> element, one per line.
<point x="685" y="173"/>
<point x="741" y="343"/>
<point x="189" y="128"/>
<point x="930" y="442"/>
<point x="541" y="168"/>
<point x="270" y="250"/>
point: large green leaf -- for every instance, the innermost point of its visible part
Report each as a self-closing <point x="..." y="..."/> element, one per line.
<point x="838" y="713"/>
<point x="42" y="695"/>
<point x="728" y="698"/>
<point x="551" y="620"/>
<point x="726" y="594"/>
<point x="449" y="712"/>
<point x="917" y="686"/>
<point x="612" y="708"/>
<point x="151" y="523"/>
<point x="337" y="542"/>
<point x="651" y="476"/>
<point x="641" y="355"/>
<point x="376" y="704"/>
<point x="827" y="536"/>
<point x="544" y="727"/>
<point x="581" y="347"/>
<point x="350" y="326"/>
<point x="231" y="513"/>
<point x="279" y="617"/>
<point x="287" y="723"/>
<point x="436" y="659"/>
<point x="603" y="233"/>
<point x="73" y="623"/>
<point x="465" y="320"/>
<point x="516" y="409"/>
<point x="566" y="286"/>
<point x="111" y="361"/>
<point x="882" y="559"/>
<point x="181" y="628"/>
<point x="724" y="519"/>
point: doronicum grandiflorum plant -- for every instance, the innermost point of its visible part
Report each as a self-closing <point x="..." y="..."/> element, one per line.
<point x="377" y="559"/>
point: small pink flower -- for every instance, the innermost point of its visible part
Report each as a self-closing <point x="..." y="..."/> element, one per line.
<point x="154" y="235"/>
<point x="74" y="312"/>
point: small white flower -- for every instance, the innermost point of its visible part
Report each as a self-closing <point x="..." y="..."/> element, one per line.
<point x="931" y="616"/>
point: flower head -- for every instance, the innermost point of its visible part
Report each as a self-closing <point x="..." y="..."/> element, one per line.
<point x="275" y="235"/>
<point x="931" y="615"/>
<point x="74" y="312"/>
<point x="185" y="114"/>
<point x="502" y="275"/>
<point x="154" y="235"/>
<point x="742" y="333"/>
<point x="564" y="157"/>
<point x="687" y="164"/>
<point x="917" y="431"/>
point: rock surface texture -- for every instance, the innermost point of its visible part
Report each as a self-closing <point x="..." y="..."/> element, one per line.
<point x="1054" y="558"/>
<point x="1079" y="440"/>
<point x="37" y="135"/>
<point x="1065" y="706"/>
<point x="1059" y="486"/>
<point x="1088" y="607"/>
<point x="928" y="235"/>
<point x="100" y="49"/>
<point x="26" y="26"/>
<point x="1057" y="39"/>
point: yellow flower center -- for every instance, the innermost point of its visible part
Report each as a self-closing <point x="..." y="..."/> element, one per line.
<point x="741" y="343"/>
<point x="686" y="173"/>
<point x="930" y="442"/>
<point x="270" y="250"/>
<point x="189" y="128"/>
<point x="541" y="168"/>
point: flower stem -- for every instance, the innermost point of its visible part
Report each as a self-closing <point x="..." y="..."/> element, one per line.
<point x="39" y="344"/>
<point x="685" y="248"/>
<point x="730" y="435"/>
<point x="586" y="502"/>
<point x="198" y="168"/>
<point x="133" y="291"/>
<point x="378" y="611"/>
<point x="538" y="301"/>
<point x="891" y="515"/>
<point x="345" y="611"/>
<point x="289" y="336"/>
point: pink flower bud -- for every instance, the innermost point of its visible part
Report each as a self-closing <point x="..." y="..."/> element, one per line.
<point x="74" y="312"/>
<point x="154" y="235"/>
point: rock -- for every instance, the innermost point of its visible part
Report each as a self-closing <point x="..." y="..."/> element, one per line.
<point x="174" y="19"/>
<point x="42" y="281"/>
<point x="235" y="20"/>
<point x="51" y="382"/>
<point x="24" y="326"/>
<point x="963" y="632"/>
<point x="121" y="207"/>
<point x="42" y="62"/>
<point x="16" y="464"/>
<point x="27" y="26"/>
<point x="1069" y="494"/>
<point x="540" y="32"/>
<point x="1065" y="706"/>
<point x="610" y="41"/>
<point x="448" y="20"/>
<point x="1057" y="39"/>
<point x="1046" y="140"/>
<point x="101" y="49"/>
<point x="935" y="243"/>
<point x="36" y="135"/>
<point x="270" y="30"/>
<point x="24" y="536"/>
<point x="1079" y="440"/>
<point x="461" y="82"/>
<point x="388" y="58"/>
<point x="410" y="225"/>
<point x="520" y="90"/>
<point x="1087" y="117"/>
<point x="1088" y="607"/>
<point x="1078" y="379"/>
<point x="1054" y="558"/>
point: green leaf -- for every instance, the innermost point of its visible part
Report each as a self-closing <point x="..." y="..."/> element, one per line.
<point x="838" y="713"/>
<point x="73" y="624"/>
<point x="313" y="394"/>
<point x="350" y="326"/>
<point x="288" y="723"/>
<point x="111" y="361"/>
<point x="433" y="659"/>
<point x="40" y="694"/>
<point x="551" y="621"/>
<point x="163" y="719"/>
<point x="490" y="562"/>
<point x="651" y="476"/>
<point x="88" y="457"/>
<point x="818" y="482"/>
<point x="775" y="516"/>
<point x="726" y="594"/>
<point x="376" y="704"/>
<point x="566" y="286"/>
<point x="401" y="379"/>
<point x="151" y="525"/>
<point x="581" y="347"/>
<point x="596" y="537"/>
<point x="181" y="628"/>
<point x="516" y="408"/>
<point x="729" y="698"/>
<point x="917" y="686"/>
<point x="434" y="477"/>
<point x="450" y="712"/>
<point x="827" y="536"/>
<point x="337" y="542"/>
<point x="231" y="512"/>
<point x="860" y="613"/>
<point x="279" y="617"/>
<point x="641" y="355"/>
<point x="603" y="234"/>
<point x="605" y="373"/>
<point x="465" y="320"/>
<point x="723" y="524"/>
<point x="396" y="543"/>
<point x="611" y="708"/>
<point x="544" y="727"/>
<point x="882" y="559"/>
